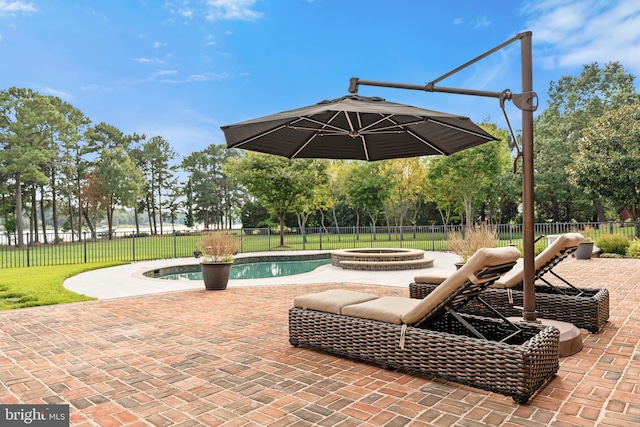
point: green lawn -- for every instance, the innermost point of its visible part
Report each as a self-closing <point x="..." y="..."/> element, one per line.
<point x="34" y="286"/>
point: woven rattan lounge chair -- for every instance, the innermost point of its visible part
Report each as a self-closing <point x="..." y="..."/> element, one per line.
<point x="586" y="308"/>
<point x="429" y="336"/>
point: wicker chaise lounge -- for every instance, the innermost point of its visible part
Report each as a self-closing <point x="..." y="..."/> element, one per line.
<point x="586" y="308"/>
<point x="429" y="336"/>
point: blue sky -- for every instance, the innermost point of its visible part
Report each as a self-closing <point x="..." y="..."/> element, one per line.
<point x="183" y="68"/>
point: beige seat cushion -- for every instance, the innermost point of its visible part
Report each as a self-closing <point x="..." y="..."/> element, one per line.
<point x="331" y="301"/>
<point x="384" y="309"/>
<point x="515" y="277"/>
<point x="483" y="257"/>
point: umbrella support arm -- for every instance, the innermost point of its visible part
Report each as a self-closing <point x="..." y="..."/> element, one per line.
<point x="527" y="102"/>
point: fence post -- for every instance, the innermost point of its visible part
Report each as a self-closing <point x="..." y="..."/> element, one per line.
<point x="84" y="238"/>
<point x="133" y="246"/>
<point x="320" y="238"/>
<point x="269" y="239"/>
<point x="433" y="238"/>
<point x="355" y="237"/>
<point x="175" y="243"/>
<point x="638" y="229"/>
<point x="28" y="252"/>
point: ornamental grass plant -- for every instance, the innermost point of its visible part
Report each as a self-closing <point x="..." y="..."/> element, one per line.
<point x="219" y="246"/>
<point x="467" y="241"/>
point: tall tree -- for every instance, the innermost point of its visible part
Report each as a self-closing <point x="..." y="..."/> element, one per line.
<point x="66" y="139"/>
<point x="157" y="155"/>
<point x="574" y="102"/>
<point x="607" y="162"/>
<point x="25" y="117"/>
<point x="213" y="195"/>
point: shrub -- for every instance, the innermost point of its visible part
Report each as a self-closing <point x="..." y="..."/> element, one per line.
<point x="634" y="249"/>
<point x="613" y="244"/>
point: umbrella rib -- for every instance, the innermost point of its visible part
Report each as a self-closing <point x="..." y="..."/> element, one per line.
<point x="323" y="124"/>
<point x="470" y="132"/>
<point x="424" y="141"/>
<point x="241" y="143"/>
<point x="396" y="125"/>
<point x="364" y="148"/>
<point x="387" y="117"/>
<point x="293" y="156"/>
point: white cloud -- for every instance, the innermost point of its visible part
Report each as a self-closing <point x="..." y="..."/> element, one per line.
<point x="232" y="10"/>
<point x="213" y="10"/>
<point x="157" y="45"/>
<point x="481" y="22"/>
<point x="0" y="37"/>
<point x="54" y="92"/>
<point x="145" y="60"/>
<point x="16" y="6"/>
<point x="572" y="33"/>
<point x="457" y="21"/>
<point x="165" y="72"/>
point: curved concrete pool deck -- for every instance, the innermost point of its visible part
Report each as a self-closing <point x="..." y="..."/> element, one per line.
<point x="128" y="280"/>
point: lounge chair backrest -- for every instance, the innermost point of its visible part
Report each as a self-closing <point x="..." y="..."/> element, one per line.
<point x="558" y="250"/>
<point x="484" y="267"/>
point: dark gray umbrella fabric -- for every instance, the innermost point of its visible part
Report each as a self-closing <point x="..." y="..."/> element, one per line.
<point x="356" y="127"/>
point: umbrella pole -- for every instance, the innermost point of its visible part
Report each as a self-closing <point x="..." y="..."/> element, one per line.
<point x="527" y="102"/>
<point x="529" y="296"/>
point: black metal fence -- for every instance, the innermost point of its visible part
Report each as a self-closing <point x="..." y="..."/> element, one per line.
<point x="131" y="246"/>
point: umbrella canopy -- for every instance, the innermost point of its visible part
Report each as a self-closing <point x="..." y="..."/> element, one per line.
<point x="356" y="127"/>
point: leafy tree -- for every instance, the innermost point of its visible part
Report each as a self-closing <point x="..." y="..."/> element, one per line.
<point x="464" y="179"/>
<point x="366" y="189"/>
<point x="406" y="177"/>
<point x="93" y="201"/>
<point x="574" y="102"/>
<point x="116" y="171"/>
<point x="607" y="162"/>
<point x="277" y="182"/>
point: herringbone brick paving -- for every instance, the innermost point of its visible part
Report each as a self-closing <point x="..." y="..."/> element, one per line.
<point x="198" y="357"/>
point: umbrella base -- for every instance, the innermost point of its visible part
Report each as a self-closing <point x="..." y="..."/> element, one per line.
<point x="570" y="337"/>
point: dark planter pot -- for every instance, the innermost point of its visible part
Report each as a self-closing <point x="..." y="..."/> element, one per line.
<point x="584" y="251"/>
<point x="216" y="275"/>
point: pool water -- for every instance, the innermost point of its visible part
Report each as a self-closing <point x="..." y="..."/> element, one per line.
<point x="256" y="270"/>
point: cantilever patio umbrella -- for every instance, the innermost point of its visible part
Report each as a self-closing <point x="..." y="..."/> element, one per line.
<point x="373" y="129"/>
<point x="356" y="127"/>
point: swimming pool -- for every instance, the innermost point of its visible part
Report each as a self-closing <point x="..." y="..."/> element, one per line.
<point x="245" y="270"/>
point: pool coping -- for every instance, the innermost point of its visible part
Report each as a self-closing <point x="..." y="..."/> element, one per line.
<point x="128" y="280"/>
<point x="191" y="267"/>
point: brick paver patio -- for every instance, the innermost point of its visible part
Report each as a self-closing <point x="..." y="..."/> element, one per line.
<point x="223" y="358"/>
